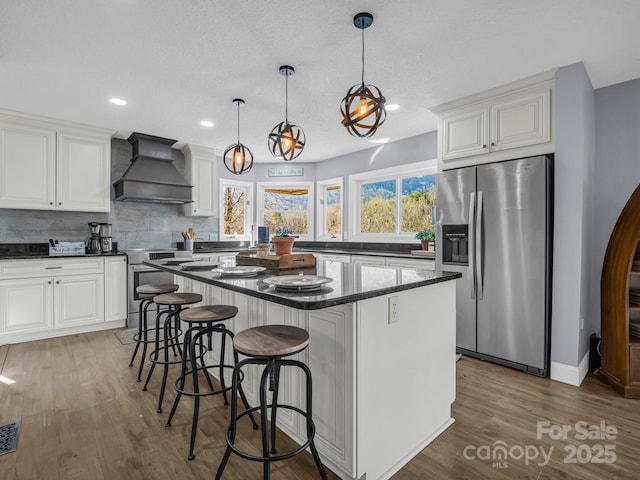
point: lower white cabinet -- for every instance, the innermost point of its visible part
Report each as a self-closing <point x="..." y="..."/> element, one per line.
<point x="43" y="298"/>
<point x="78" y="300"/>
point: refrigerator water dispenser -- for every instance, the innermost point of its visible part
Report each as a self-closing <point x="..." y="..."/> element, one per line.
<point x="455" y="243"/>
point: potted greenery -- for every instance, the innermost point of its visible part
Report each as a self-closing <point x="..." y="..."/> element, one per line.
<point x="282" y="241"/>
<point x="427" y="238"/>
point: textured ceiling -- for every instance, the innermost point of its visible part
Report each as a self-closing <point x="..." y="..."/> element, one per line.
<point x="181" y="61"/>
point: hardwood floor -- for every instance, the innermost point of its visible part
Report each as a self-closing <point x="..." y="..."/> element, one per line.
<point x="85" y="417"/>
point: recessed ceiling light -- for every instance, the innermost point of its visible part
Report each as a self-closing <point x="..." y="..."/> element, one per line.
<point x="118" y="101"/>
<point x="206" y="123"/>
<point x="391" y="107"/>
<point x="380" y="140"/>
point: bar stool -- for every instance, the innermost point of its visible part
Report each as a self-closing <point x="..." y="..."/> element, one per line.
<point x="269" y="345"/>
<point x="171" y="334"/>
<point x="204" y="321"/>
<point x="142" y="337"/>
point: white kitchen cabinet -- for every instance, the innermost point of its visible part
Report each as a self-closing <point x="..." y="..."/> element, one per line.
<point x="42" y="298"/>
<point x="83" y="171"/>
<point x="47" y="164"/>
<point x="411" y="262"/>
<point x="201" y="172"/>
<point x="27" y="166"/>
<point x="26" y="305"/>
<point x="504" y="123"/>
<point x="368" y="259"/>
<point x="115" y="288"/>
<point x="78" y="300"/>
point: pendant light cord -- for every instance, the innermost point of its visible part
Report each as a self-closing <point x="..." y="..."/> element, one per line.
<point x="286" y="97"/>
<point x="362" y="29"/>
<point x="238" y="105"/>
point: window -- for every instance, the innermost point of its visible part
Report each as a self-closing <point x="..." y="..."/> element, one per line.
<point x="287" y="204"/>
<point x="235" y="215"/>
<point x="394" y="203"/>
<point x="330" y="209"/>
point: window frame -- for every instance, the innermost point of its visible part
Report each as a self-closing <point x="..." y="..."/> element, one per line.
<point x="321" y="209"/>
<point x="248" y="217"/>
<point x="311" y="211"/>
<point x="427" y="167"/>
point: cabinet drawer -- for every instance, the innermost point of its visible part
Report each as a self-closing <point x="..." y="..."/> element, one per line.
<point x="634" y="365"/>
<point x="53" y="267"/>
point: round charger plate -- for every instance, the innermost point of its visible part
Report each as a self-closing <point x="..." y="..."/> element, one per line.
<point x="199" y="265"/>
<point x="297" y="283"/>
<point x="239" y="271"/>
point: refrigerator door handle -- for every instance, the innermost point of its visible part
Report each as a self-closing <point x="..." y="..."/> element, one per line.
<point x="472" y="242"/>
<point x="479" y="249"/>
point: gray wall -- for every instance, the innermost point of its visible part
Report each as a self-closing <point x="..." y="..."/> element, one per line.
<point x="135" y="225"/>
<point x="573" y="133"/>
<point x="617" y="170"/>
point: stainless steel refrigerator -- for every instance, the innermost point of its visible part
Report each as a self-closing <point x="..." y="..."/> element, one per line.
<point x="494" y="225"/>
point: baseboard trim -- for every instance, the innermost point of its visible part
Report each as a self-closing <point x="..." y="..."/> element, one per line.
<point x="573" y="375"/>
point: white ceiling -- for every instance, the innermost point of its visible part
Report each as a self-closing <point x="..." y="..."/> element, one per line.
<point x="178" y="62"/>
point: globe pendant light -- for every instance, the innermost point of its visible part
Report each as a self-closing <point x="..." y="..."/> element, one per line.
<point x="286" y="140"/>
<point x="362" y="107"/>
<point x="237" y="158"/>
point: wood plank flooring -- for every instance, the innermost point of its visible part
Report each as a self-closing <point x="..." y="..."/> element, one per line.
<point x="85" y="417"/>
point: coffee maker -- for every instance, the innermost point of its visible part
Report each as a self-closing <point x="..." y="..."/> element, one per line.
<point x="105" y="238"/>
<point x="93" y="242"/>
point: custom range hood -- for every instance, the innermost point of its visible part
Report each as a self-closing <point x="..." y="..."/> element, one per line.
<point x="152" y="176"/>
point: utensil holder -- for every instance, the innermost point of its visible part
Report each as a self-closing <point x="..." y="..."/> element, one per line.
<point x="188" y="244"/>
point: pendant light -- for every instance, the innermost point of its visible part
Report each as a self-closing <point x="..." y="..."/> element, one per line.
<point x="237" y="158"/>
<point x="286" y="140"/>
<point x="362" y="108"/>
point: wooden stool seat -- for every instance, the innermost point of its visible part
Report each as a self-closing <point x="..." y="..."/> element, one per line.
<point x="177" y="298"/>
<point x="209" y="313"/>
<point x="271" y="341"/>
<point x="157" y="289"/>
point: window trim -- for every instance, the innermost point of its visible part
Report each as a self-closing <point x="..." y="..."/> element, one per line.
<point x="308" y="185"/>
<point x="248" y="217"/>
<point x="320" y="209"/>
<point x="427" y="167"/>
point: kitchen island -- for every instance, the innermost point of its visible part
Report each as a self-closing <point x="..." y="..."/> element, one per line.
<point x="382" y="355"/>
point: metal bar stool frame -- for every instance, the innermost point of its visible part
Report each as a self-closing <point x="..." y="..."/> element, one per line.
<point x="142" y="335"/>
<point x="192" y="341"/>
<point x="271" y="373"/>
<point x="171" y="335"/>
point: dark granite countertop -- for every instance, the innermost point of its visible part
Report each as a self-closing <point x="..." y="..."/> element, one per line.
<point x="24" y="251"/>
<point x="402" y="250"/>
<point x="351" y="282"/>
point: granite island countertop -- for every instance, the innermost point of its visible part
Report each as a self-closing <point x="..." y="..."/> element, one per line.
<point x="351" y="282"/>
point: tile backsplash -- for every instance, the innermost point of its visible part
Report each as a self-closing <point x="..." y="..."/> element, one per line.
<point x="135" y="225"/>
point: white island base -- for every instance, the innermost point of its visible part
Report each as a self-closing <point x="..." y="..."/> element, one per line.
<point x="382" y="390"/>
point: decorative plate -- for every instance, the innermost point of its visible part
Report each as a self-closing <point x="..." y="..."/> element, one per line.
<point x="239" y="271"/>
<point x="298" y="283"/>
<point x="199" y="265"/>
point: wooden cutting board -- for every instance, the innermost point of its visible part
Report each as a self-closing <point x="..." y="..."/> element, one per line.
<point x="423" y="253"/>
<point x="276" y="262"/>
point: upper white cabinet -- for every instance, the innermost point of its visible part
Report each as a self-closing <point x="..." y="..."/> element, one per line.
<point x="507" y="122"/>
<point x="46" y="165"/>
<point x="200" y="171"/>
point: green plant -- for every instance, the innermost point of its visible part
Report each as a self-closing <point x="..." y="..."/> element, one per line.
<point x="283" y="232"/>
<point x="426" y="234"/>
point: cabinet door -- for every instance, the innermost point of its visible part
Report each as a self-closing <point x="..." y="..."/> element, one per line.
<point x="27" y="167"/>
<point x="115" y="291"/>
<point x="83" y="172"/>
<point x="465" y="133"/>
<point x="78" y="300"/>
<point x="521" y="120"/>
<point x="331" y="359"/>
<point x="411" y="262"/>
<point x="26" y="305"/>
<point x="200" y="171"/>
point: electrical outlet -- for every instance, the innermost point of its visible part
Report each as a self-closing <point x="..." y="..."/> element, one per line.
<point x="213" y="237"/>
<point x="393" y="309"/>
